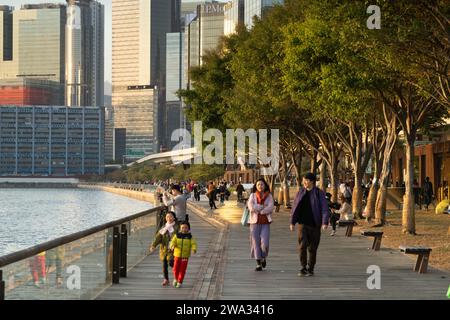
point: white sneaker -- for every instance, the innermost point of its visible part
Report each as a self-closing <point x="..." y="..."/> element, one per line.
<point x="333" y="233"/>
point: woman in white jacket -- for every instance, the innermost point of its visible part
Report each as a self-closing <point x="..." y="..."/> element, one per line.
<point x="260" y="204"/>
<point x="344" y="213"/>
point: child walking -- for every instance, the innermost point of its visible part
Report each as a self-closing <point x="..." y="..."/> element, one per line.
<point x="163" y="238"/>
<point x="182" y="244"/>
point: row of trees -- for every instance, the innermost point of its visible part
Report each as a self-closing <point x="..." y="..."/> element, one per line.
<point x="314" y="70"/>
<point x="146" y="173"/>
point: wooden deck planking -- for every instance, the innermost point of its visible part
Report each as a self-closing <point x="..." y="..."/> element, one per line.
<point x="340" y="273"/>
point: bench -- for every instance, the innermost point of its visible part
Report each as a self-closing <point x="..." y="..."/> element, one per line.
<point x="349" y="224"/>
<point x="422" y="259"/>
<point x="378" y="235"/>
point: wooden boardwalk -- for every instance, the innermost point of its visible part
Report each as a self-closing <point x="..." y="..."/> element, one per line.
<point x="222" y="269"/>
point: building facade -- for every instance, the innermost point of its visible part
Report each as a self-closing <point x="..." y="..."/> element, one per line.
<point x="6" y="33"/>
<point x="174" y="79"/>
<point x="431" y="159"/>
<point x="38" y="43"/>
<point x="109" y="134"/>
<point x="202" y="33"/>
<point x="58" y="43"/>
<point x="23" y="91"/>
<point x="233" y="15"/>
<point x="257" y="8"/>
<point x="84" y="53"/>
<point x="139" y="71"/>
<point x="51" y="141"/>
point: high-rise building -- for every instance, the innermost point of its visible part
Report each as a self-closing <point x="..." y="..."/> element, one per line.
<point x="109" y="134"/>
<point x="59" y="43"/>
<point x="6" y="33"/>
<point x="139" y="70"/>
<point x="38" y="43"/>
<point x="174" y="61"/>
<point x="202" y="33"/>
<point x="84" y="53"/>
<point x="51" y="140"/>
<point x="257" y="8"/>
<point x="234" y="15"/>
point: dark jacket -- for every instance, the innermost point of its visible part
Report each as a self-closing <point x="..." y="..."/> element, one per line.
<point x="319" y="206"/>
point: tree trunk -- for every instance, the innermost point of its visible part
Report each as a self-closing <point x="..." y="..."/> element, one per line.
<point x="380" y="211"/>
<point x="270" y="179"/>
<point x="371" y="200"/>
<point x="323" y="169"/>
<point x="372" y="197"/>
<point x="286" y="198"/>
<point x="314" y="164"/>
<point x="280" y="195"/>
<point x="408" y="214"/>
<point x="333" y="170"/>
<point x="357" y="198"/>
<point x="296" y="159"/>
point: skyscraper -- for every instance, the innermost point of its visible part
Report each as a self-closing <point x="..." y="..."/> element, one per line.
<point x="84" y="53"/>
<point x="202" y="33"/>
<point x="37" y="43"/>
<point x="138" y="74"/>
<point x="58" y="43"/>
<point x="234" y="15"/>
<point x="6" y="33"/>
<point x="257" y="8"/>
<point x="174" y="61"/>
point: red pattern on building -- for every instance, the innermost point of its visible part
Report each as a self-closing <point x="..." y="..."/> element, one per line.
<point x="25" y="96"/>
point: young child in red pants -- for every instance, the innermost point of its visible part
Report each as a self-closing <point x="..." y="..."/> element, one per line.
<point x="182" y="244"/>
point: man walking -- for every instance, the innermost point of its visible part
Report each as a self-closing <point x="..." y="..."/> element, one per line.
<point x="427" y="192"/>
<point x="310" y="211"/>
<point x="240" y="191"/>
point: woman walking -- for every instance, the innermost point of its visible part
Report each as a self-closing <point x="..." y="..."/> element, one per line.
<point x="260" y="205"/>
<point x="163" y="238"/>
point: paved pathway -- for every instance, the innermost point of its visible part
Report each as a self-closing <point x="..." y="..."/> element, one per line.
<point x="223" y="268"/>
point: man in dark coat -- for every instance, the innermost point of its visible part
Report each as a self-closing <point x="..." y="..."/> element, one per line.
<point x="311" y="212"/>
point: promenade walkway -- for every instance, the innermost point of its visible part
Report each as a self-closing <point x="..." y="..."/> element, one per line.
<point x="222" y="269"/>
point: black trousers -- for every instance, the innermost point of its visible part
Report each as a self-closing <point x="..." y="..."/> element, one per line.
<point x="334" y="217"/>
<point x="212" y="204"/>
<point x="308" y="240"/>
<point x="166" y="269"/>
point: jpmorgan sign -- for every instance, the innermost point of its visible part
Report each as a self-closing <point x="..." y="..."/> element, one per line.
<point x="213" y="8"/>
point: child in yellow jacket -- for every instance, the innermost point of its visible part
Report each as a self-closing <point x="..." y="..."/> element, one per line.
<point x="182" y="244"/>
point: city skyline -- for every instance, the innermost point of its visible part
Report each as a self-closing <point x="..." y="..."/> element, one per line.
<point x="108" y="30"/>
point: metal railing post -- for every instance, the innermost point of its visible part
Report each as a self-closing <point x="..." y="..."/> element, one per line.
<point x="116" y="255"/>
<point x="2" y="286"/>
<point x="123" y="250"/>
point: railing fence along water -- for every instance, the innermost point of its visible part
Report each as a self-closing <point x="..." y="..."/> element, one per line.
<point x="80" y="265"/>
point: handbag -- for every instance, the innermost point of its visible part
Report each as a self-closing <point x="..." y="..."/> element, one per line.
<point x="262" y="219"/>
<point x="245" y="217"/>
